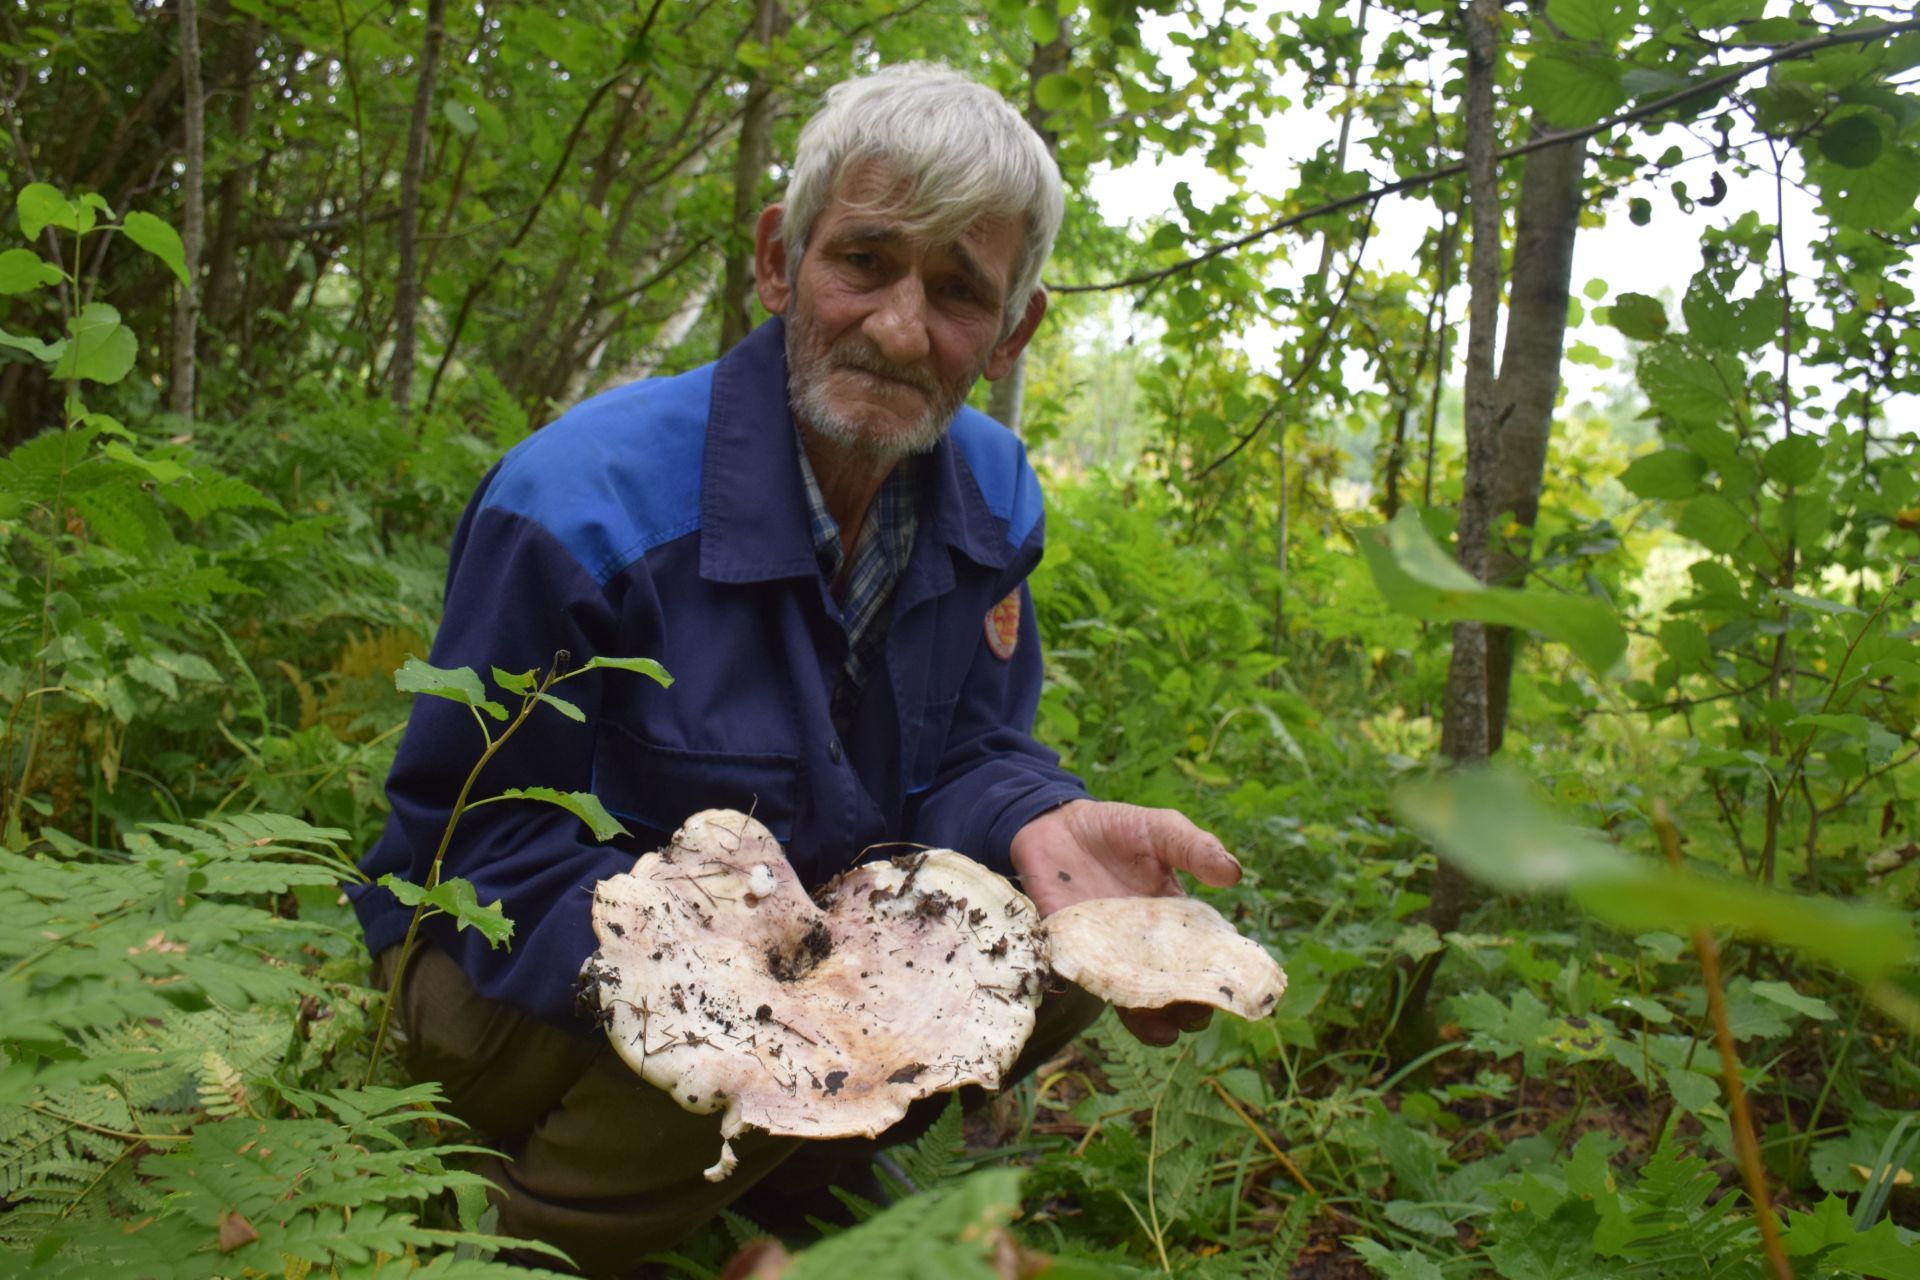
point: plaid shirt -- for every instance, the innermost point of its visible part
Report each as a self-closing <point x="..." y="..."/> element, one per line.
<point x="879" y="557"/>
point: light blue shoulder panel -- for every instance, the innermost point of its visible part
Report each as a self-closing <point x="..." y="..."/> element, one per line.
<point x="998" y="462"/>
<point x="617" y="475"/>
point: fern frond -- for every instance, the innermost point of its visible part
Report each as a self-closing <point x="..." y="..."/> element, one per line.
<point x="936" y="1159"/>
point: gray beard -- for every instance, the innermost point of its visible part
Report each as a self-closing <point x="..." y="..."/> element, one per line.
<point x="812" y="404"/>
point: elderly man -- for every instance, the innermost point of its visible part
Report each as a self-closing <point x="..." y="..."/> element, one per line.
<point x="829" y="552"/>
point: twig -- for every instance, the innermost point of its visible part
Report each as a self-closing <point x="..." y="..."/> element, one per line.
<point x="1309" y="362"/>
<point x="1374" y="194"/>
<point x="1744" y="1143"/>
<point x="1293" y="1170"/>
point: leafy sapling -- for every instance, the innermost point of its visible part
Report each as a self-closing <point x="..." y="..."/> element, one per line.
<point x="454" y="896"/>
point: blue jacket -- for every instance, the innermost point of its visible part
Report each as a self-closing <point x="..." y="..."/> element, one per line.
<point x="667" y="519"/>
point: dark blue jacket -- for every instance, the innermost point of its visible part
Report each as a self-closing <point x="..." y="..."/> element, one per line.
<point x="667" y="519"/>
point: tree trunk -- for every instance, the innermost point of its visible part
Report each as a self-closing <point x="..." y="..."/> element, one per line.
<point x="1006" y="399"/>
<point x="751" y="157"/>
<point x="1463" y="730"/>
<point x="186" y="309"/>
<point x="216" y="302"/>
<point x="407" y="295"/>
<point x="1509" y="423"/>
<point x="1548" y="218"/>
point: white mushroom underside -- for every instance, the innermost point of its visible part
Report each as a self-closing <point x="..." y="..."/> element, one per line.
<point x="1148" y="953"/>
<point x="721" y="982"/>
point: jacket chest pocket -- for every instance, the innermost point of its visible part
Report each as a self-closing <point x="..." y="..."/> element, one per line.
<point x="663" y="786"/>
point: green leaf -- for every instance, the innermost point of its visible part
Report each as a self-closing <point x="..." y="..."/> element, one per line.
<point x="1829" y="1224"/>
<point x="1852" y="142"/>
<point x="1879" y="1251"/>
<point x="1486" y="823"/>
<point x="1572" y="87"/>
<point x="1669" y="473"/>
<point x="153" y="675"/>
<point x="1688" y="389"/>
<point x="1794" y="460"/>
<point x="454" y="897"/>
<point x="1714" y="523"/>
<point x="520" y="682"/>
<point x="459" y="684"/>
<point x="1593" y="19"/>
<point x="1873" y="196"/>
<point x="159" y="239"/>
<point x="1685" y="642"/>
<point x="102" y="349"/>
<point x="1417" y="578"/>
<point x="583" y="805"/>
<point x="1058" y="91"/>
<point x="1638" y="316"/>
<point x="1815" y="604"/>
<point x="41" y="206"/>
<point x="1691" y="1090"/>
<point x="565" y="708"/>
<point x="645" y="666"/>
<point x="45" y="352"/>
<point x="1390" y="1265"/>
<point x="460" y="116"/>
<point x="1043" y="24"/>
<point x="23" y="270"/>
<point x="1650" y="1010"/>
<point x="1785" y="996"/>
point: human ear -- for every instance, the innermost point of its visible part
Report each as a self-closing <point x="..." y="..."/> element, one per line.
<point x="770" y="262"/>
<point x="1000" y="361"/>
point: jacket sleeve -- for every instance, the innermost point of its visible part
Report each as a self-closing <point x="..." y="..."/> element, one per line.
<point x="516" y="599"/>
<point x="993" y="777"/>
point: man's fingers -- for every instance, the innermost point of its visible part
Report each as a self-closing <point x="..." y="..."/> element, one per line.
<point x="1182" y="844"/>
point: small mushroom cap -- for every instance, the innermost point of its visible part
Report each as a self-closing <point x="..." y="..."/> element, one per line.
<point x="720" y="981"/>
<point x="1148" y="953"/>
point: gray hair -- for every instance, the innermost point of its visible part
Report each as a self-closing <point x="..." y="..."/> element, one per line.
<point x="959" y="150"/>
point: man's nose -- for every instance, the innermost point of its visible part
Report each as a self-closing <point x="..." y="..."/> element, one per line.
<point x="898" y="326"/>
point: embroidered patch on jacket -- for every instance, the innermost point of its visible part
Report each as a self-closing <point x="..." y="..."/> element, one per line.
<point x="1003" y="626"/>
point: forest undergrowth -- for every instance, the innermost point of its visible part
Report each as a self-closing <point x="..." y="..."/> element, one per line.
<point x="199" y="629"/>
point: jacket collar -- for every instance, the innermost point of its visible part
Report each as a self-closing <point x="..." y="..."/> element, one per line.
<point x="753" y="506"/>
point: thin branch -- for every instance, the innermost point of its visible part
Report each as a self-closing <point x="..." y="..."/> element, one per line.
<point x="1308" y="362"/>
<point x="1373" y="195"/>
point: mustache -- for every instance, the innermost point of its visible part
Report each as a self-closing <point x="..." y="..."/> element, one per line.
<point x="860" y="353"/>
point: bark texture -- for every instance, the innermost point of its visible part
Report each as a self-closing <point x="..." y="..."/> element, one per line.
<point x="1548" y="219"/>
<point x="186" y="308"/>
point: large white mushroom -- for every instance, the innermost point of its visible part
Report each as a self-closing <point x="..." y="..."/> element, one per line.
<point x="1148" y="953"/>
<point x="721" y="981"/>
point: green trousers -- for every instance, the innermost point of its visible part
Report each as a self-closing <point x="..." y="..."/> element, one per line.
<point x="599" y="1162"/>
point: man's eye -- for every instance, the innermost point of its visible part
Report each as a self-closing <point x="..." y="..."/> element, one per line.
<point x="862" y="261"/>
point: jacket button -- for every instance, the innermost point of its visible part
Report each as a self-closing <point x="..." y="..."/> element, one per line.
<point x="833" y="751"/>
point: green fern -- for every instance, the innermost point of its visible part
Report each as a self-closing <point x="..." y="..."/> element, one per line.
<point x="937" y="1159"/>
<point x="946" y="1234"/>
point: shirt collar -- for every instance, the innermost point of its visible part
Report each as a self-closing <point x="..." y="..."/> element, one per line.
<point x="754" y="516"/>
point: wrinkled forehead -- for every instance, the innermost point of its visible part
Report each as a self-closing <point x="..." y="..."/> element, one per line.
<point x="876" y="192"/>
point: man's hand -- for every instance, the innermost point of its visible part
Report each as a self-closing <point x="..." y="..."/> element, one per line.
<point x="1099" y="849"/>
